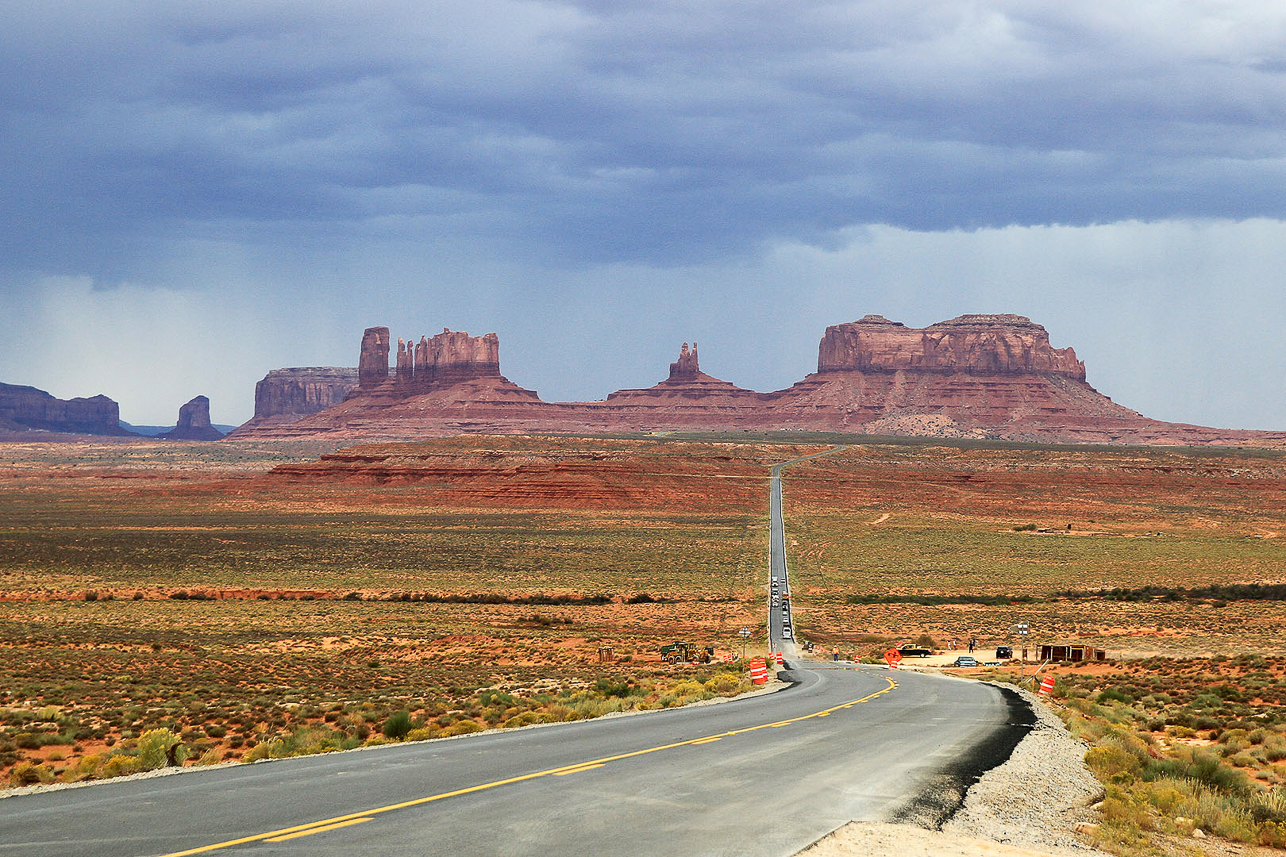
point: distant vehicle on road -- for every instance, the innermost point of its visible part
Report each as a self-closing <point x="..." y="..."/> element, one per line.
<point x="913" y="651"/>
<point x="1004" y="653"/>
<point x="966" y="661"/>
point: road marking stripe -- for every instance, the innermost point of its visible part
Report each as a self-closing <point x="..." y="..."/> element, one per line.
<point x="581" y="769"/>
<point x="708" y="740"/>
<point x="310" y="831"/>
<point x="354" y="817"/>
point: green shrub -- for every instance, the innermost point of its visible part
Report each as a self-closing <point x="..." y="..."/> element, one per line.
<point x="119" y="765"/>
<point x="461" y="727"/>
<point x="156" y="749"/>
<point x="30" y="774"/>
<point x="398" y="725"/>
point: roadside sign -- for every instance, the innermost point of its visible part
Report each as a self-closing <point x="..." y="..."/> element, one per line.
<point x="894" y="657"/>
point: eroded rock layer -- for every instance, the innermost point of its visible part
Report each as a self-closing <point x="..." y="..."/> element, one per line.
<point x="974" y="344"/>
<point x="27" y="408"/>
<point x="976" y="376"/>
<point x="286" y="395"/>
<point x="194" y="422"/>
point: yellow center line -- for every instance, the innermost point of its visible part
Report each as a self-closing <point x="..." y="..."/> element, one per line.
<point x="709" y="740"/>
<point x="355" y="817"/>
<point x="310" y="831"/>
<point x="576" y="770"/>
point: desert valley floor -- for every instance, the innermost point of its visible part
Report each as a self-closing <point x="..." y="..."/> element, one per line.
<point x="266" y="598"/>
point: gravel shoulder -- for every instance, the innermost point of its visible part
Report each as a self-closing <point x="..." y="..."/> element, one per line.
<point x="1026" y="807"/>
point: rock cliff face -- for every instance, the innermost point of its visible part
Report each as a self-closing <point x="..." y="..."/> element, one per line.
<point x="448" y="358"/>
<point x="451" y="357"/>
<point x="686" y="368"/>
<point x="194" y="422"/>
<point x="974" y="344"/>
<point x="285" y="395"/>
<point x="372" y="363"/>
<point x="976" y="376"/>
<point x="26" y="408"/>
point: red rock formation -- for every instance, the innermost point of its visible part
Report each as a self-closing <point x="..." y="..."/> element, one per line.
<point x="976" y="344"/>
<point x="285" y="395"/>
<point x="27" y="408"/>
<point x="194" y="422"/>
<point x="372" y="364"/>
<point x="454" y="356"/>
<point x="981" y="376"/>
<point x="451" y="357"/>
<point x="686" y="367"/>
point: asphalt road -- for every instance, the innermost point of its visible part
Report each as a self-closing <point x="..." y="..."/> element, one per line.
<point x="753" y="776"/>
<point x="779" y="616"/>
<point x="758" y="776"/>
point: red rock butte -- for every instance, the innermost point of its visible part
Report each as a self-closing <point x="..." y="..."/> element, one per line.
<point x="976" y="376"/>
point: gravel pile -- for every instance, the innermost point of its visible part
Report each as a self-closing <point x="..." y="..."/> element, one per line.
<point x="1036" y="798"/>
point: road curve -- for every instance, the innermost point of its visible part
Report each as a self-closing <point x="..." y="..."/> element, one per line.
<point x="752" y="776"/>
<point x="757" y="776"/>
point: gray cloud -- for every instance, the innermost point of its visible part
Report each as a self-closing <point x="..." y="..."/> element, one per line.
<point x="658" y="131"/>
<point x="597" y="181"/>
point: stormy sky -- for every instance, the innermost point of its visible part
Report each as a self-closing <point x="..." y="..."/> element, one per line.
<point x="195" y="193"/>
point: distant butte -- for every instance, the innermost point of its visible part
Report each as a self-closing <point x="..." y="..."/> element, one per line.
<point x="194" y="422"/>
<point x="976" y="376"/>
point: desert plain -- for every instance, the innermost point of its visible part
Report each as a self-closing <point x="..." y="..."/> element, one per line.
<point x="265" y="598"/>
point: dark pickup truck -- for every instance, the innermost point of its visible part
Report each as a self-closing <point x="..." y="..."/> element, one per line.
<point x="909" y="651"/>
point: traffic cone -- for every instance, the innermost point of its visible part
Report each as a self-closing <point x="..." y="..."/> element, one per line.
<point x="1047" y="685"/>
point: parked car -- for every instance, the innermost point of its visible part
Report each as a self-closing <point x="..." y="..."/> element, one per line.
<point x="1004" y="653"/>
<point x="966" y="661"/>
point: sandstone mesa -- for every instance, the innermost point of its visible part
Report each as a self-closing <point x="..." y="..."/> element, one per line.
<point x="29" y="409"/>
<point x="975" y="376"/>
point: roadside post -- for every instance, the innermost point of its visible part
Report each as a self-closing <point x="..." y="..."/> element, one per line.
<point x="745" y="635"/>
<point x="1022" y="629"/>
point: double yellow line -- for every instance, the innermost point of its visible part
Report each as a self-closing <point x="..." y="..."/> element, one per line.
<point x="341" y="821"/>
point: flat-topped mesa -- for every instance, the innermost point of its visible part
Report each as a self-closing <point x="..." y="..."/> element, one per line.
<point x="302" y="390"/>
<point x="25" y="408"/>
<point x="372" y="365"/>
<point x="1001" y="344"/>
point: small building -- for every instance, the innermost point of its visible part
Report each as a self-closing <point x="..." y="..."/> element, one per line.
<point x="1074" y="654"/>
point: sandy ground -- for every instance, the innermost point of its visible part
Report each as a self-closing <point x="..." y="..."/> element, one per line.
<point x="875" y="839"/>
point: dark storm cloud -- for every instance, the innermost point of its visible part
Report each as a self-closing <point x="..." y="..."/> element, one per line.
<point x="601" y="131"/>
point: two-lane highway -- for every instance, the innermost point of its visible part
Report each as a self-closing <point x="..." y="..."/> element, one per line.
<point x="752" y="776"/>
<point x="781" y="632"/>
<point x="761" y="776"/>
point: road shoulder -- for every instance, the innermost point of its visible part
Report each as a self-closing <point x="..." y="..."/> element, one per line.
<point x="1028" y="806"/>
